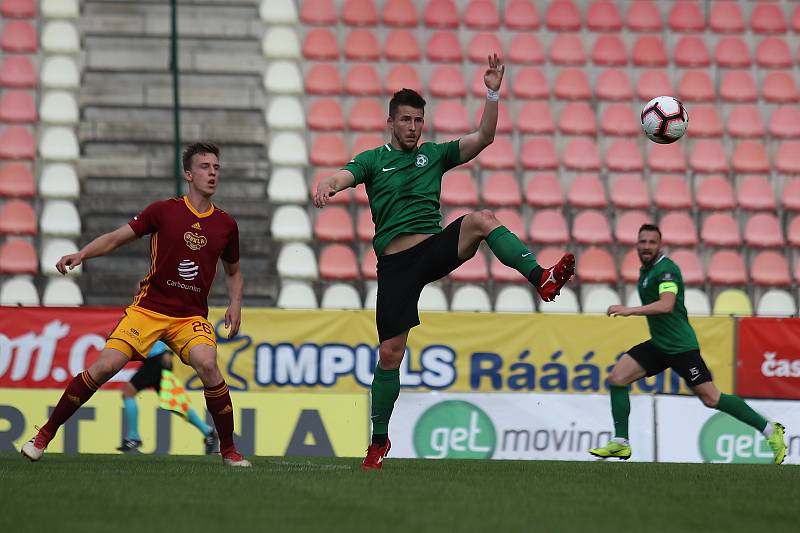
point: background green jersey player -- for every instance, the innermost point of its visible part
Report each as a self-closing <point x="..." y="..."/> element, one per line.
<point x="673" y="344"/>
<point x="403" y="181"/>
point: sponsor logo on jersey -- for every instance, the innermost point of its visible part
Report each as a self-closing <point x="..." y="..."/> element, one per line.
<point x="196" y="226"/>
<point x="188" y="270"/>
<point x="422" y="160"/>
<point x="194" y="241"/>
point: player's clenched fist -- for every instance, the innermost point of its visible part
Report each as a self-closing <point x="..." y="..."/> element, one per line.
<point x="68" y="261"/>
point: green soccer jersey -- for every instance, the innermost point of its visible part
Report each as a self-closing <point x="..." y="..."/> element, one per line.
<point x="670" y="332"/>
<point x="404" y="187"/>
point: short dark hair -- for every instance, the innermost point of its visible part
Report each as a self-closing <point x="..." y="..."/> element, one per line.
<point x="407" y="97"/>
<point x="198" y="148"/>
<point x="650" y="227"/>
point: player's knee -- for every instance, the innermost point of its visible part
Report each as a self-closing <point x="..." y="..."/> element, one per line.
<point x="617" y="380"/>
<point x="391" y="356"/>
<point x="208" y="370"/>
<point x="486" y="221"/>
<point x="709" y="401"/>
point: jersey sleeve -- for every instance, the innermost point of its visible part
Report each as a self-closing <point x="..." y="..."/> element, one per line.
<point x="147" y="221"/>
<point x="231" y="252"/>
<point x="362" y="167"/>
<point x="451" y="156"/>
<point x="669" y="281"/>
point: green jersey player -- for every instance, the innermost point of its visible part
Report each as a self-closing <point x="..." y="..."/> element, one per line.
<point x="673" y="344"/>
<point x="403" y="181"/>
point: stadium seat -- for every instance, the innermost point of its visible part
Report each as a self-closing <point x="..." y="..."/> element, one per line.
<point x="596" y="265"/>
<point x="785" y="122"/>
<point x="325" y="114"/>
<point x="359" y="13"/>
<point x="577" y="118"/>
<point x="338" y="262"/>
<point x="603" y="15"/>
<point x="318" y="13"/>
<point x="16" y="72"/>
<point x="649" y="51"/>
<point x="566" y="302"/>
<point x="536" y="118"/>
<point x="706" y="121"/>
<point x="361" y="45"/>
<point x="287" y="186"/>
<point x="441" y="14"/>
<point x="672" y="192"/>
<point x="512" y="219"/>
<point x="733" y="302"/>
<point x="581" y="155"/>
<point x="763" y="230"/>
<point x="544" y="190"/>
<point x="643" y="16"/>
<point x="726" y="267"/>
<point x="591" y="227"/>
<point x="18" y="290"/>
<point x="402" y="76"/>
<point x="288" y="149"/>
<point x="587" y="191"/>
<point x="770" y="269"/>
<point x="624" y="155"/>
<point x="514" y="300"/>
<point x="18" y="9"/>
<point x="474" y="269"/>
<point x="447" y="81"/>
<point x="59" y="180"/>
<point x="296" y="295"/>
<point x="283" y="77"/>
<point x="60" y="72"/>
<point x="653" y="83"/>
<point x="745" y="121"/>
<point x="16" y="143"/>
<point x="470" y="298"/>
<point x="767" y="18"/>
<point x="367" y="141"/>
<point x="626" y="231"/>
<point x="328" y="150"/>
<point x="363" y="80"/>
<point x="779" y="87"/>
<point x="52" y="251"/>
<point x="738" y="86"/>
<point x="369" y="264"/>
<point x="340" y="296"/>
<point x="609" y="50"/>
<point x="667" y="158"/>
<point x="685" y="16"/>
<point x="402" y="46"/>
<point x="714" y="193"/>
<point x="367" y="114"/>
<point x="530" y="83"/>
<point x="60" y="218"/>
<point x="285" y="113"/>
<point x="16" y="180"/>
<point x="458" y="188"/>
<point x="365" y="227"/>
<point x="562" y="15"/>
<point x="504" y="123"/>
<point x="444" y="47"/>
<point x="691" y="51"/>
<point x="566" y="49"/>
<point x="620" y="120"/>
<point x="18" y="36"/>
<point x="323" y="79"/>
<point x="525" y="49"/>
<point x="18" y="257"/>
<point x="690" y="265"/>
<point x="614" y="84"/>
<point x="696" y="86"/>
<point x="629" y="191"/>
<point x="598" y="299"/>
<point x="548" y="226"/>
<point x="776" y="302"/>
<point x="708" y="157"/>
<point x="750" y="157"/>
<point x="273" y="12"/>
<point x="60" y="37"/>
<point x="790" y="196"/>
<point x="498" y="155"/>
<point x="290" y="223"/>
<point x="796" y="20"/>
<point x="696" y="302"/>
<point x="400" y="14"/>
<point x="732" y="52"/>
<point x="62" y="292"/>
<point x="756" y="194"/>
<point x="59" y="143"/>
<point x="720" y="229"/>
<point x="787" y="159"/>
<point x="482" y="45"/>
<point x="572" y="84"/>
<point x="501" y="273"/>
<point x="773" y="52"/>
<point x="17" y="217"/>
<point x="726" y="17"/>
<point x="501" y="189"/>
<point x="678" y="229"/>
<point x="521" y="15"/>
<point x="432" y="298"/>
<point x="60" y="9"/>
<point x="320" y="44"/>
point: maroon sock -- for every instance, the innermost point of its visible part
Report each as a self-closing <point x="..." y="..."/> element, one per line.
<point x="77" y="393"/>
<point x="218" y="401"/>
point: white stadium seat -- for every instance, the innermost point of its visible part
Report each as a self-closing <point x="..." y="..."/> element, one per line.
<point x="598" y="299"/>
<point x="62" y="292"/>
<point x="566" y="302"/>
<point x="18" y="290"/>
<point x="289" y="149"/>
<point x="287" y="185"/>
<point x="432" y="299"/>
<point x="297" y="261"/>
<point x="59" y="143"/>
<point x="278" y="11"/>
<point x="59" y="180"/>
<point x="776" y="302"/>
<point x="290" y="223"/>
<point x="60" y="9"/>
<point x="633" y="299"/>
<point x="514" y="299"/>
<point x="297" y="295"/>
<point x="52" y="251"/>
<point x="60" y="72"/>
<point x="341" y="296"/>
<point x="285" y="113"/>
<point x="283" y="77"/>
<point x="371" y="299"/>
<point x="60" y="218"/>
<point x="60" y="37"/>
<point x="470" y="298"/>
<point x="696" y="302"/>
<point x="280" y="43"/>
<point x="58" y="107"/>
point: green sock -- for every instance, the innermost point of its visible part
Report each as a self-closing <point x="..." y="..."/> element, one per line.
<point x="738" y="409"/>
<point x="511" y="251"/>
<point x="385" y="390"/>
<point x="620" y="410"/>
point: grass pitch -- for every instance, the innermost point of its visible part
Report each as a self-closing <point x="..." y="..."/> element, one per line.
<point x="116" y="493"/>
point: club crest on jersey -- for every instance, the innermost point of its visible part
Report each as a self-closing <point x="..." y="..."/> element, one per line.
<point x="194" y="241"/>
<point x="422" y="160"/>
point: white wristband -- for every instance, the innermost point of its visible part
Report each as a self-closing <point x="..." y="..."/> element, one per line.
<point x="492" y="96"/>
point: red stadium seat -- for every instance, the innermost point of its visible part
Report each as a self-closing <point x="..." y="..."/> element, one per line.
<point x="400" y="14"/>
<point x="482" y="15"/>
<point x="720" y="229"/>
<point x="402" y="76"/>
<point x="793" y="234"/>
<point x="447" y="81"/>
<point x="672" y="192"/>
<point x="767" y="18"/>
<point x="544" y="190"/>
<point x="715" y="193"/>
<point x="591" y="227"/>
<point x="367" y="114"/>
<point x="690" y="265"/>
<point x="770" y="269"/>
<point x="620" y="120"/>
<point x="609" y="50"/>
<point x="644" y="16"/>
<point x="539" y="154"/>
<point x="17" y="106"/>
<point x="362" y="45"/>
<point x="402" y="46"/>
<point x="626" y="230"/>
<point x="17" y="218"/>
<point x="366" y="141"/>
<point x="16" y="143"/>
<point x="369" y="264"/>
<point x="596" y="265"/>
<point x="603" y="15"/>
<point x="708" y="157"/>
<point x="787" y="160"/>
<point x="451" y="117"/>
<point x="696" y="86"/>
<point x="501" y="273"/>
<point x="763" y="230"/>
<point x="17" y="72"/>
<point x="344" y="196"/>
<point x="359" y="13"/>
<point x="785" y="122"/>
<point x="19" y="37"/>
<point x="567" y="49"/>
<point x="790" y="196"/>
<point x="474" y="269"/>
<point x="653" y="83"/>
<point x="530" y="83"/>
<point x="726" y="267"/>
<point x="18" y="257"/>
<point x="511" y="219"/>
<point x="521" y="15"/>
<point x="16" y="180"/>
<point x="320" y="45"/>
<point x="726" y="17"/>
<point x="706" y="121"/>
<point x="18" y="9"/>
<point x="572" y="84"/>
<point x="738" y="86"/>
<point x="630" y="269"/>
<point x="624" y="155"/>
<point x="577" y="118"/>
<point x="334" y="223"/>
<point x="318" y="12"/>
<point x="773" y="52"/>
<point x="581" y="155"/>
<point x="796" y="20"/>
<point x="667" y="158"/>
<point x="548" y="226"/>
<point x="325" y="114"/>
<point x="365" y="228"/>
<point x="587" y="191"/>
<point x="328" y="150"/>
<point x="498" y="155"/>
<point x="363" y="80"/>
<point x="732" y="52"/>
<point x="614" y="84"/>
<point x="458" y="188"/>
<point x="750" y="157"/>
<point x="535" y="118"/>
<point x="504" y="123"/>
<point x="526" y="49"/>
<point x="338" y="261"/>
<point x="687" y="17"/>
<point x="563" y="15"/>
<point x="444" y="47"/>
<point x="482" y="46"/>
<point x="691" y="51"/>
<point x="441" y="14"/>
<point x="678" y="229"/>
<point x="745" y="121"/>
<point x="648" y="51"/>
<point x="779" y="86"/>
<point x="755" y="194"/>
<point x="501" y="189"/>
<point x="629" y="191"/>
<point x="323" y="79"/>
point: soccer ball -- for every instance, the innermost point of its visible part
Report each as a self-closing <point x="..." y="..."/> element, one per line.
<point x="664" y="119"/>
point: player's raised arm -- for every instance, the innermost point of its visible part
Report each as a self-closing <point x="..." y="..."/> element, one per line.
<point x="341" y="179"/>
<point x="471" y="145"/>
<point x="100" y="246"/>
<point x="662" y="306"/>
<point x="235" y="283"/>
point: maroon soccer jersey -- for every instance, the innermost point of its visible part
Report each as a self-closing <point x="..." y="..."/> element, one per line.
<point x="184" y="249"/>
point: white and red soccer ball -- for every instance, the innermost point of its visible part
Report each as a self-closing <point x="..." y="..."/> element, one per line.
<point x="664" y="119"/>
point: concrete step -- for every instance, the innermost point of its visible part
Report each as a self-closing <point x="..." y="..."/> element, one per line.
<point x="143" y="167"/>
<point x="162" y="132"/>
<point x="163" y="152"/>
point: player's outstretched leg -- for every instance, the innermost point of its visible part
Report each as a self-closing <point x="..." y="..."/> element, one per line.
<point x="77" y="393"/>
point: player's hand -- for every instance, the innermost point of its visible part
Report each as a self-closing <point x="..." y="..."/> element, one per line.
<point x="494" y="74"/>
<point x="618" y="310"/>
<point x="324" y="191"/>
<point x="68" y="262"/>
<point x="233" y="319"/>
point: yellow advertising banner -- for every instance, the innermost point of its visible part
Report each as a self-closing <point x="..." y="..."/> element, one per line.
<point x="302" y="351"/>
<point x="266" y="424"/>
